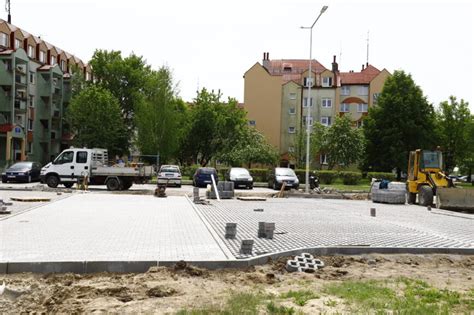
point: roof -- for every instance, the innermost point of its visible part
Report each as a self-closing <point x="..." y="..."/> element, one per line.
<point x="291" y="69"/>
<point x="362" y="77"/>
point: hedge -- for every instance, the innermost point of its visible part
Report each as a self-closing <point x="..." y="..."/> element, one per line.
<point x="350" y="178"/>
<point x="326" y="177"/>
<point x="259" y="174"/>
<point x="381" y="175"/>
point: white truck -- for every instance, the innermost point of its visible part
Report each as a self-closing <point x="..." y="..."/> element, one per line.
<point x="75" y="164"/>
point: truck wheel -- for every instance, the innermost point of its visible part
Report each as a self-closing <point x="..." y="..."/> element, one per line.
<point x="411" y="198"/>
<point x="52" y="181"/>
<point x="426" y="196"/>
<point x="68" y="185"/>
<point x="113" y="184"/>
<point x="126" y="185"/>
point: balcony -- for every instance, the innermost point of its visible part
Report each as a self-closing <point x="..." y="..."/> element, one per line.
<point x="20" y="79"/>
<point x="6" y="77"/>
<point x="20" y="106"/>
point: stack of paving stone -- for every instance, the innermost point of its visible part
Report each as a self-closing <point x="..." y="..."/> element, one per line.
<point x="395" y="193"/>
<point x="266" y="230"/>
<point x="304" y="263"/>
<point x="225" y="189"/>
<point x="3" y="206"/>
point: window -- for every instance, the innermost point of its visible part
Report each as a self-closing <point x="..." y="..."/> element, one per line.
<point x="17" y="43"/>
<point x="53" y="60"/>
<point x="3" y="39"/>
<point x="363" y="90"/>
<point x="305" y="102"/>
<point x="326" y="102"/>
<point x="291" y="149"/>
<point x="31" y="51"/>
<point x="66" y="157"/>
<point x="30" y="124"/>
<point x="30" y="147"/>
<point x="344" y="108"/>
<point x="32" y="77"/>
<point x="292" y="111"/>
<point x="32" y="101"/>
<point x="345" y="90"/>
<point x="362" y="108"/>
<point x="308" y="81"/>
<point x="310" y="120"/>
<point x="252" y="123"/>
<point x="291" y="129"/>
<point x="327" y="81"/>
<point x="292" y="96"/>
<point x="326" y="121"/>
<point x="360" y="123"/>
<point x="81" y="157"/>
<point x="88" y="76"/>
<point x="323" y="159"/>
<point x="376" y="97"/>
<point x="63" y="65"/>
<point x="42" y="56"/>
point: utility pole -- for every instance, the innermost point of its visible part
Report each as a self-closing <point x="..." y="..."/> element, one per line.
<point x="8" y="9"/>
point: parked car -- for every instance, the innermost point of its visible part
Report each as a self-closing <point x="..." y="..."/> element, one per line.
<point x="282" y="175"/>
<point x="22" y="172"/>
<point x="202" y="176"/>
<point x="241" y="177"/>
<point x="170" y="175"/>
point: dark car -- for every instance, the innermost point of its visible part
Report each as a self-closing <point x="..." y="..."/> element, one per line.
<point x="202" y="176"/>
<point x="282" y="175"/>
<point x="241" y="177"/>
<point x="22" y="172"/>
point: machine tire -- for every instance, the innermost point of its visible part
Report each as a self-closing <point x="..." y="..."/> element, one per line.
<point x="178" y="185"/>
<point x="425" y="196"/>
<point x="52" y="181"/>
<point x="113" y="184"/>
<point x="68" y="185"/>
<point x="411" y="198"/>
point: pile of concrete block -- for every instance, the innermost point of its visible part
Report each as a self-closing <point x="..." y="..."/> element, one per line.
<point x="304" y="263"/>
<point x="225" y="189"/>
<point x="246" y="247"/>
<point x="395" y="193"/>
<point x="266" y="230"/>
<point x="3" y="206"/>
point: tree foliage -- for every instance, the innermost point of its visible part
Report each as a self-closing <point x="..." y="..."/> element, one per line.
<point x="317" y="138"/>
<point x="453" y="119"/>
<point x="159" y="117"/>
<point x="402" y="121"/>
<point x="95" y="117"/>
<point x="343" y="144"/>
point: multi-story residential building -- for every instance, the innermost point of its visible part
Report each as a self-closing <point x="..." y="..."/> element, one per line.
<point x="35" y="90"/>
<point x="276" y="98"/>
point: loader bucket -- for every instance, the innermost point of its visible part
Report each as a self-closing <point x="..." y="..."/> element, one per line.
<point x="455" y="199"/>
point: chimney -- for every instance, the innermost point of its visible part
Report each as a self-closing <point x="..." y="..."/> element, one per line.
<point x="335" y="66"/>
<point x="363" y="67"/>
<point x="266" y="60"/>
<point x="367" y="64"/>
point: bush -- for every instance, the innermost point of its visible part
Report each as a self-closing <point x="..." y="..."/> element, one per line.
<point x="259" y="174"/>
<point x="326" y="177"/>
<point x="222" y="172"/>
<point x="301" y="174"/>
<point x="350" y="178"/>
<point x="381" y="175"/>
<point x="189" y="170"/>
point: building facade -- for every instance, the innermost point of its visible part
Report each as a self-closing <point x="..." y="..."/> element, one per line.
<point x="277" y="100"/>
<point x="35" y="90"/>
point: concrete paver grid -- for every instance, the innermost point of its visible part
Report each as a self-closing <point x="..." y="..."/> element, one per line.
<point x="306" y="223"/>
<point x="105" y="227"/>
<point x="19" y="207"/>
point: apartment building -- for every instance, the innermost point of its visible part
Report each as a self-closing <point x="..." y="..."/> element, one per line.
<point x="276" y="98"/>
<point x="35" y="90"/>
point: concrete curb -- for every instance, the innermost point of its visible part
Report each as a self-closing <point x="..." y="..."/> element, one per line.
<point x="142" y="266"/>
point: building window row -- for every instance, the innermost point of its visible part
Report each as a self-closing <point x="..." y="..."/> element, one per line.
<point x="305" y="119"/>
<point x="291" y="129"/>
<point x="362" y="108"/>
<point x="326" y="102"/>
<point x="326" y="121"/>
<point x="327" y="82"/>
<point x="345" y="90"/>
<point x="292" y="111"/>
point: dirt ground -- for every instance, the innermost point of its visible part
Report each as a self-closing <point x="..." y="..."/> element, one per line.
<point x="169" y="290"/>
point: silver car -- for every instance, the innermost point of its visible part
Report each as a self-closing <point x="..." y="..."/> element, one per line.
<point x="282" y="175"/>
<point x="241" y="177"/>
<point x="170" y="175"/>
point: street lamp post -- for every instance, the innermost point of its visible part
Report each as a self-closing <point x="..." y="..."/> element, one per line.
<point x="309" y="103"/>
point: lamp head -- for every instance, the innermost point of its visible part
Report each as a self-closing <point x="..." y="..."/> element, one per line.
<point x="323" y="9"/>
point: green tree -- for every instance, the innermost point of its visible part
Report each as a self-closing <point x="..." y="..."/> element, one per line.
<point x="343" y="144"/>
<point x="125" y="78"/>
<point x="159" y="116"/>
<point x="95" y="118"/>
<point x="252" y="147"/>
<point x="215" y="127"/>
<point x="453" y="118"/>
<point x="402" y="121"/>
<point x="467" y="163"/>
<point x="317" y="139"/>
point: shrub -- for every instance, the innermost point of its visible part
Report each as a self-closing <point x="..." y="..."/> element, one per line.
<point x="301" y="174"/>
<point x="259" y="174"/>
<point x="381" y="175"/>
<point x="326" y="177"/>
<point x="189" y="170"/>
<point x="222" y="172"/>
<point x="350" y="178"/>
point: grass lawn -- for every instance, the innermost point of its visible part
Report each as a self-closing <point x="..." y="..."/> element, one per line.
<point x="363" y="185"/>
<point x="465" y="185"/>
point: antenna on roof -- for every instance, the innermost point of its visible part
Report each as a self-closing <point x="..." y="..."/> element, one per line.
<point x="8" y="9"/>
<point x="340" y="52"/>
<point x="367" y="48"/>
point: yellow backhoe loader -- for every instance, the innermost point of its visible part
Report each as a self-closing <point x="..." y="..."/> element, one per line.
<point x="427" y="179"/>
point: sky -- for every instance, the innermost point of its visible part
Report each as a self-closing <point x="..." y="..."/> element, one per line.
<point x="212" y="43"/>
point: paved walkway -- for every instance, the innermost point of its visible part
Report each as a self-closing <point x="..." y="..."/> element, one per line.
<point x="105" y="227"/>
<point x="309" y="223"/>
